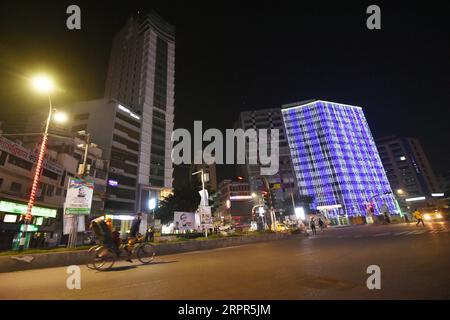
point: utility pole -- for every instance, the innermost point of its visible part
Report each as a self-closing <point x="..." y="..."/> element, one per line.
<point x="203" y="198"/>
<point x="82" y="172"/>
<point x="293" y="202"/>
<point x="271" y="209"/>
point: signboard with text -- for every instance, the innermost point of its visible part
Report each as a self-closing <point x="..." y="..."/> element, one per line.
<point x="79" y="196"/>
<point x="19" y="208"/>
<point x="31" y="156"/>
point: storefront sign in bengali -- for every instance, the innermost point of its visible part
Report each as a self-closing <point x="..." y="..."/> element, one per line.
<point x="28" y="155"/>
<point x="79" y="196"/>
<point x="20" y="208"/>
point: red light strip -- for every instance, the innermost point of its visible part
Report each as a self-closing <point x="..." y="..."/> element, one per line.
<point x="37" y="174"/>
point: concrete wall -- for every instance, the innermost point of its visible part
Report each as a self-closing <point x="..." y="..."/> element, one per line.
<point x="59" y="259"/>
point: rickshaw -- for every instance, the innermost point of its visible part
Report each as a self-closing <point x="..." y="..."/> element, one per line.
<point x="107" y="252"/>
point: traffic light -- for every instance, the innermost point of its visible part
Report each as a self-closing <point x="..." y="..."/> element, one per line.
<point x="370" y="207"/>
<point x="265" y="196"/>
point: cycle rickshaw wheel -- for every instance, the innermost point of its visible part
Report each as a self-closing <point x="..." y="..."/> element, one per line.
<point x="146" y="253"/>
<point x="104" y="259"/>
<point x="91" y="253"/>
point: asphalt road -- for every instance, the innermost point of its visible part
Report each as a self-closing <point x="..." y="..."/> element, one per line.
<point x="414" y="263"/>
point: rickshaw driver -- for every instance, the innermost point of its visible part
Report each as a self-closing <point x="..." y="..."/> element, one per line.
<point x="134" y="231"/>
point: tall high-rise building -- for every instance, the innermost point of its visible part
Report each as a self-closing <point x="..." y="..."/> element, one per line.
<point x="335" y="159"/>
<point x="281" y="184"/>
<point x="407" y="166"/>
<point x="141" y="77"/>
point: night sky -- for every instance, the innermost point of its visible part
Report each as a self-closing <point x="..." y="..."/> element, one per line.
<point x="232" y="57"/>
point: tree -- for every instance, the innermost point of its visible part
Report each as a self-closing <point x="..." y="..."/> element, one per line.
<point x="183" y="198"/>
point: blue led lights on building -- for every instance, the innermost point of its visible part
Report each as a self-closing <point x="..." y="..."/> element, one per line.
<point x="335" y="158"/>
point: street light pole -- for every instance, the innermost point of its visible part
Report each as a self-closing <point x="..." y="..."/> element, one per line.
<point x="36" y="177"/>
<point x="72" y="243"/>
<point x="86" y="151"/>
<point x="203" y="197"/>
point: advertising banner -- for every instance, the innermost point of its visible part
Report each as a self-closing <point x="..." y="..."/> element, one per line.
<point x="205" y="216"/>
<point x="79" y="196"/>
<point x="184" y="221"/>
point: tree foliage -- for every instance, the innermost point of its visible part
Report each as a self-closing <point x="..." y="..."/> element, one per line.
<point x="184" y="198"/>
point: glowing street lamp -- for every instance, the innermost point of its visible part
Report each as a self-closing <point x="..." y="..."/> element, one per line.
<point x="42" y="84"/>
<point x="60" y="117"/>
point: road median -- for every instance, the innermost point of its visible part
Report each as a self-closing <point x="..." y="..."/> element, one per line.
<point x="59" y="259"/>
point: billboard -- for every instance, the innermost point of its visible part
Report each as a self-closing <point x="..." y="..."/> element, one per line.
<point x="184" y="221"/>
<point x="79" y="196"/>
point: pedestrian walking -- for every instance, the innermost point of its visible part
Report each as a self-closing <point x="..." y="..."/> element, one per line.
<point x="313" y="226"/>
<point x="418" y="216"/>
<point x="321" y="224"/>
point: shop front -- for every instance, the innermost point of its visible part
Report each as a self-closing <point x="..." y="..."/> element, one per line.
<point x="40" y="231"/>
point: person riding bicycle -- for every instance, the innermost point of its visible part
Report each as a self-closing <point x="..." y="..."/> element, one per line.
<point x="116" y="237"/>
<point x="134" y="231"/>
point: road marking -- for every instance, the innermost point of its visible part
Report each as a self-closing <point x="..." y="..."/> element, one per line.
<point x="400" y="233"/>
<point x="417" y="232"/>
<point x="382" y="234"/>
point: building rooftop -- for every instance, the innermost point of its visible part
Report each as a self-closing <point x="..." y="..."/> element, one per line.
<point x="304" y="103"/>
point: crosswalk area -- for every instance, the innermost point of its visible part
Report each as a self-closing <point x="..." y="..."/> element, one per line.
<point x="412" y="231"/>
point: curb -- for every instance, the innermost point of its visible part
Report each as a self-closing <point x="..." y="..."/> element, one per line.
<point x="61" y="259"/>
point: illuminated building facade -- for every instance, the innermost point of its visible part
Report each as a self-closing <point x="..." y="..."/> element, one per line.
<point x="335" y="159"/>
<point x="141" y="76"/>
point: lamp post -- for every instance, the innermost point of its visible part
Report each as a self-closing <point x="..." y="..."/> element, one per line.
<point x="203" y="198"/>
<point x="203" y="183"/>
<point x="44" y="85"/>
